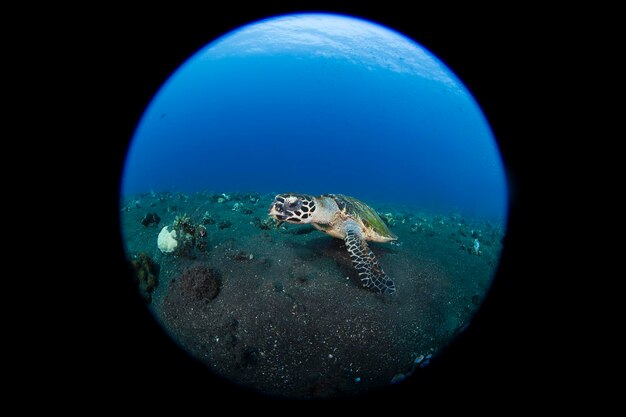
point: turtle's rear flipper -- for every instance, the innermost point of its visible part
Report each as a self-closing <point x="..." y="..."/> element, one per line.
<point x="364" y="261"/>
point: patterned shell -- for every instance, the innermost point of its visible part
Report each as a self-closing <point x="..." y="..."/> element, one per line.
<point x="359" y="210"/>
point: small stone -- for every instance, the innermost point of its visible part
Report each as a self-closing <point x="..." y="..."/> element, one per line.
<point x="150" y="218"/>
<point x="225" y="224"/>
<point x="397" y="378"/>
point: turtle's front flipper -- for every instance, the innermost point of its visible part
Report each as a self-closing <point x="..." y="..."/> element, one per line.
<point x="364" y="261"/>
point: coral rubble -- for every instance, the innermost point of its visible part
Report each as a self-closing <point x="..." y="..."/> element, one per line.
<point x="146" y="274"/>
<point x="150" y="218"/>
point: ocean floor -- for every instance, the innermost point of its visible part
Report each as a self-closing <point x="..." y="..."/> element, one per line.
<point x="279" y="309"/>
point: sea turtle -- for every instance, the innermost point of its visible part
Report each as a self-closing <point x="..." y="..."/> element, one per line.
<point x="345" y="218"/>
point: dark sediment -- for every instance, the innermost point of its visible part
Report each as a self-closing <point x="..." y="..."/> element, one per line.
<point x="281" y="309"/>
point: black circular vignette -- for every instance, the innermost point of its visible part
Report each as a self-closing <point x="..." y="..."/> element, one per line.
<point x="493" y="55"/>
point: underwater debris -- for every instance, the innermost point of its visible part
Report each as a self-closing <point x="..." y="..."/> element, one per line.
<point x="389" y="219"/>
<point x="476" y="247"/>
<point x="242" y="256"/>
<point x="186" y="235"/>
<point x="251" y="198"/>
<point x="397" y="378"/>
<point x="184" y="238"/>
<point x="201" y="242"/>
<point x="239" y="207"/>
<point x="166" y="242"/>
<point x="225" y="224"/>
<point x="223" y="198"/>
<point x="423" y="227"/>
<point x="420" y="361"/>
<point x="207" y="219"/>
<point x="146" y="275"/>
<point x="246" y="197"/>
<point x="184" y="224"/>
<point x="425" y="361"/>
<point x="150" y="218"/>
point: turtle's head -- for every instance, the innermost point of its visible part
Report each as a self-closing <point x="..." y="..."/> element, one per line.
<point x="293" y="208"/>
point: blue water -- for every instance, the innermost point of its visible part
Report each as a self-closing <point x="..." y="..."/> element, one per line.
<point x="316" y="104"/>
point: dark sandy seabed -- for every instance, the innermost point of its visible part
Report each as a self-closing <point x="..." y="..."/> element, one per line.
<point x="280" y="309"/>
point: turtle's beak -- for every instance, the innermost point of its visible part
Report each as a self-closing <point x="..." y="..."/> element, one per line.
<point x="276" y="214"/>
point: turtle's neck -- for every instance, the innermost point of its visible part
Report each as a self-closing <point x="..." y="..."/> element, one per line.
<point x="325" y="210"/>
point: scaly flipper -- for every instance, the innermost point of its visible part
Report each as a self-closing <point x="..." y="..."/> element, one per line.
<point x="364" y="261"/>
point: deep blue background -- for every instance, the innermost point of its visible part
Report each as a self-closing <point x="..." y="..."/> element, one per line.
<point x="294" y="120"/>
